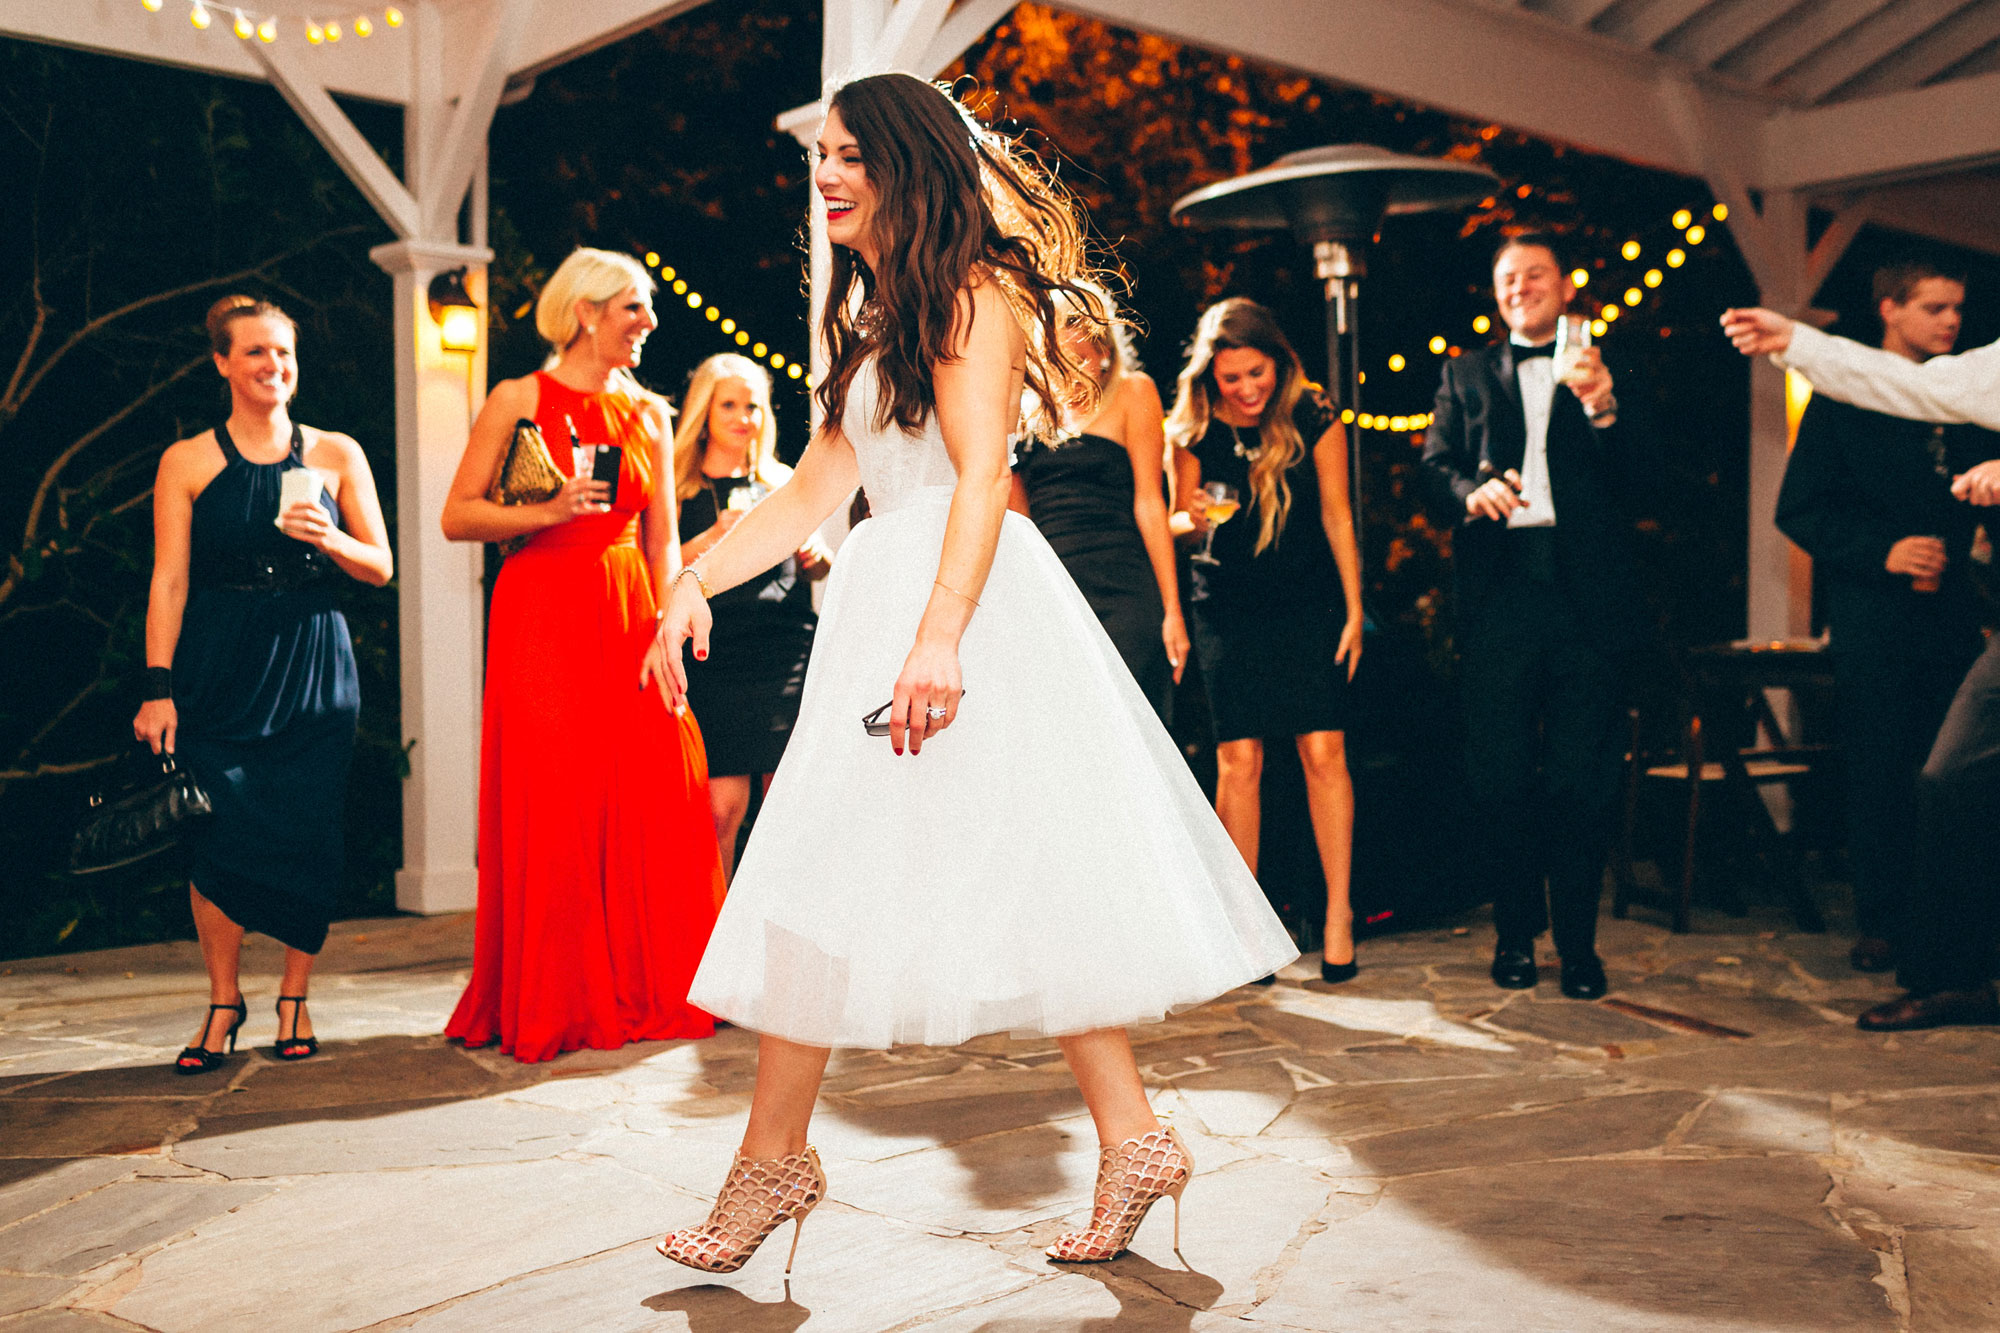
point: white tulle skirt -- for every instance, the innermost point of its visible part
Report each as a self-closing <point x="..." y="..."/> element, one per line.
<point x="1046" y="866"/>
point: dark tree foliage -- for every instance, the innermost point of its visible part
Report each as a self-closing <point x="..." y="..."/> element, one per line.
<point x="137" y="196"/>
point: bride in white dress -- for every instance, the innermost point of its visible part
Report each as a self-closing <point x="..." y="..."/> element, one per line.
<point x="1025" y="850"/>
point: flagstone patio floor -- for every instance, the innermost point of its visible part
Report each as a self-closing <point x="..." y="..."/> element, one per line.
<point x="1717" y="1148"/>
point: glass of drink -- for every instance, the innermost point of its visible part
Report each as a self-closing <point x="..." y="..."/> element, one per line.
<point x="1572" y="339"/>
<point x="1221" y="507"/>
<point x="294" y="485"/>
<point x="745" y="497"/>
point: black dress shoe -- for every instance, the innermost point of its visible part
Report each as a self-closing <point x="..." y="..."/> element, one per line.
<point x="1583" y="979"/>
<point x="1335" y="973"/>
<point x="1514" y="969"/>
<point x="1271" y="980"/>
<point x="1945" y="1008"/>
<point x="1871" y="954"/>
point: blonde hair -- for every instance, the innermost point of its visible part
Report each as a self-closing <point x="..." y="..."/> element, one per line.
<point x="596" y="276"/>
<point x="1241" y="323"/>
<point x="232" y="308"/>
<point x="1093" y="306"/>
<point x="691" y="439"/>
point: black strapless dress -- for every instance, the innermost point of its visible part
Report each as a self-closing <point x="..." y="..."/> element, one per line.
<point x="267" y="693"/>
<point x="1080" y="496"/>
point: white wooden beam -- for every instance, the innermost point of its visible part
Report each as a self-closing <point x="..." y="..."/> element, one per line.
<point x="1788" y="45"/>
<point x="291" y="72"/>
<point x="911" y="27"/>
<point x="1929" y="56"/>
<point x="356" y="67"/>
<point x="1919" y="132"/>
<point x="1720" y="35"/>
<point x="1577" y="13"/>
<point x="1649" y="25"/>
<point x="1522" y="70"/>
<point x="1887" y="32"/>
<point x="1833" y="243"/>
<point x="443" y="186"/>
<point x="969" y="22"/>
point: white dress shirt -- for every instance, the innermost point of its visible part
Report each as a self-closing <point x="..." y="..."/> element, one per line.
<point x="1536" y="376"/>
<point x="1965" y="387"/>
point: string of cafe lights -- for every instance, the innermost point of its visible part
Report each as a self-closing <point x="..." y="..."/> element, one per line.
<point x="670" y="278"/>
<point x="249" y="23"/>
<point x="1691" y="232"/>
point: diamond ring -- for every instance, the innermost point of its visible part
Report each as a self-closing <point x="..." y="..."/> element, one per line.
<point x="936" y="712"/>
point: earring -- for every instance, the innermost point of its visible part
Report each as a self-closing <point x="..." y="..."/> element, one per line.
<point x="590" y="329"/>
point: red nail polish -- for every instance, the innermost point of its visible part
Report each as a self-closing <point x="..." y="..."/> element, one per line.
<point x="701" y="656"/>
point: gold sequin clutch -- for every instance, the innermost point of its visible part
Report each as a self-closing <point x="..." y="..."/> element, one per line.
<point x="528" y="475"/>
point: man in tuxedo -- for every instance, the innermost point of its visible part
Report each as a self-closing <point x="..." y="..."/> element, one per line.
<point x="1532" y="477"/>
<point x="1868" y="497"/>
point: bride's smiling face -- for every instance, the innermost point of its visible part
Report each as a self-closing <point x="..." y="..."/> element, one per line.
<point x="842" y="181"/>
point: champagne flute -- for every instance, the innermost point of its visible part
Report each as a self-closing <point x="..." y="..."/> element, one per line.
<point x="744" y="498"/>
<point x="1221" y="507"/>
<point x="1572" y="339"/>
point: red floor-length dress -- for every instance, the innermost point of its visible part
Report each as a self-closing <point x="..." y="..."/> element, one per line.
<point x="598" y="874"/>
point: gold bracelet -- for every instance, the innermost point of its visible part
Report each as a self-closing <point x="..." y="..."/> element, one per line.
<point x="699" y="582"/>
<point x="954" y="592"/>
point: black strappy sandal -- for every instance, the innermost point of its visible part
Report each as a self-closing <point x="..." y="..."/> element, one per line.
<point x="201" y="1060"/>
<point x="293" y="1047"/>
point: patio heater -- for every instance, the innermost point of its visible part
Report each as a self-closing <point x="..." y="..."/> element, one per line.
<point x="1334" y="199"/>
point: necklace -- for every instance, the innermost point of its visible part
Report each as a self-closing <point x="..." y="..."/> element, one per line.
<point x="1240" y="451"/>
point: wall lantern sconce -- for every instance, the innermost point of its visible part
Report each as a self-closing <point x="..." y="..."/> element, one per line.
<point x="456" y="313"/>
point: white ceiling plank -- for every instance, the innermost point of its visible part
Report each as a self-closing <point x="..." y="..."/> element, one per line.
<point x="291" y="70"/>
<point x="463" y="147"/>
<point x="1784" y="47"/>
<point x="1725" y="30"/>
<point x="1522" y="71"/>
<point x="1896" y="135"/>
<point x="1930" y="55"/>
<point x="1648" y="24"/>
<point x="356" y="67"/>
<point x="967" y="24"/>
<point x="1863" y="46"/>
<point x="1576" y="13"/>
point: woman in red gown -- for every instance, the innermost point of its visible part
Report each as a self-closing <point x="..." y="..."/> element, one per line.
<point x="598" y="873"/>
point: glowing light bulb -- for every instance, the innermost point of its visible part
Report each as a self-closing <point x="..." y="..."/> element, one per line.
<point x="694" y="299"/>
<point x="652" y="259"/>
<point x="1347" y="415"/>
<point x="152" y="6"/>
<point x="267" y="31"/>
<point x="1438" y="345"/>
<point x="362" y="27"/>
<point x="1480" y="323"/>
<point x="199" y="16"/>
<point x="667" y="273"/>
<point x="1367" y="421"/>
<point x="1609" y="313"/>
<point x="777" y="360"/>
<point x="1597" y="328"/>
<point x="742" y="338"/>
<point x="333" y="32"/>
<point x="759" y="350"/>
<point x="1578" y="277"/>
<point x="1681" y="219"/>
<point x="1676" y="257"/>
<point x="1399" y="423"/>
<point x="1633" y="296"/>
<point x="244" y="28"/>
<point x="1630" y="249"/>
<point x="729" y="326"/>
<point x="1654" y="277"/>
<point x="713" y="314"/>
<point x="314" y="33"/>
<point x="1396" y="361"/>
<point x="680" y="285"/>
<point x="795" y="370"/>
<point x="393" y="17"/>
<point x="1696" y="233"/>
<point x="1720" y="212"/>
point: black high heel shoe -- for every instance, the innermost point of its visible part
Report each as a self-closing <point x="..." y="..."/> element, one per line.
<point x="201" y="1060"/>
<point x="1335" y="973"/>
<point x="293" y="1047"/>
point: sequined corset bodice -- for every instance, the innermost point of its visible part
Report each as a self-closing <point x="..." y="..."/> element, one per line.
<point x="896" y="466"/>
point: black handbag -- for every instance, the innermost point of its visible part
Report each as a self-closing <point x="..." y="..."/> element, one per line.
<point x="149" y="806"/>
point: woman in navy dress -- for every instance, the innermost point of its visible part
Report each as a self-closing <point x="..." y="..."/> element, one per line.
<point x="1099" y="497"/>
<point x="250" y="677"/>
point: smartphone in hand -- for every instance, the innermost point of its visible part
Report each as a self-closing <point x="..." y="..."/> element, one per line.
<point x="609" y="459"/>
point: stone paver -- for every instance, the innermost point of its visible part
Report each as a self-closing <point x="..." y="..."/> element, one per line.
<point x="1413" y="1151"/>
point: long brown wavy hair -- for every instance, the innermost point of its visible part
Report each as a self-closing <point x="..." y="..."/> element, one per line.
<point x="953" y="199"/>
<point x="1233" y="323"/>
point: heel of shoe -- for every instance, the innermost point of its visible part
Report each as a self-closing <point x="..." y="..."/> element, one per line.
<point x="798" y="1226"/>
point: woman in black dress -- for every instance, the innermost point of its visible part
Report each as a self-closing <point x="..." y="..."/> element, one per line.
<point x="1277" y="617"/>
<point x="747" y="697"/>
<point x="1099" y="497"/>
<point x="250" y="677"/>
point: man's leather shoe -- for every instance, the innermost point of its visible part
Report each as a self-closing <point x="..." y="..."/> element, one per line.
<point x="1870" y="954"/>
<point x="1583" y="979"/>
<point x="1514" y="969"/>
<point x="1945" y="1008"/>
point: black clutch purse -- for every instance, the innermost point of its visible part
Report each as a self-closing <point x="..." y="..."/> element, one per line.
<point x="149" y="806"/>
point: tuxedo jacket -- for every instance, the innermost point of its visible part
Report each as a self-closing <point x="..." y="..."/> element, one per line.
<point x="1594" y="476"/>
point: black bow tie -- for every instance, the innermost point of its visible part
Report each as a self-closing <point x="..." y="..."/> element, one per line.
<point x="1523" y="352"/>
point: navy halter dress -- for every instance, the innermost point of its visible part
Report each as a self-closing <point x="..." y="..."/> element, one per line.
<point x="267" y="694"/>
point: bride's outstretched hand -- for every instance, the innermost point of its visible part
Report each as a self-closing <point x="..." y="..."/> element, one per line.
<point x="926" y="699"/>
<point x="686" y="618"/>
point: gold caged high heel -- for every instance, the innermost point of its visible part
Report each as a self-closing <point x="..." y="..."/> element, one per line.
<point x="760" y="1194"/>
<point x="1131" y="1177"/>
